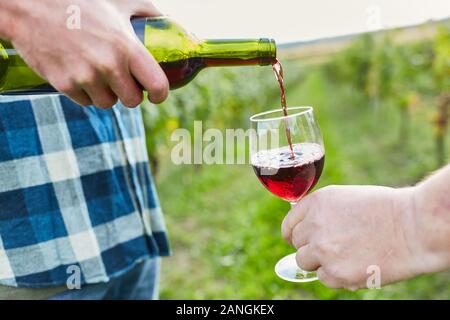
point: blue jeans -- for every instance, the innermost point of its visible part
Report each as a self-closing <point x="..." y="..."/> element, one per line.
<point x="140" y="283"/>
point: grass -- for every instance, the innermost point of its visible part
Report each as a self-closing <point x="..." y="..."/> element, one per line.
<point x="225" y="228"/>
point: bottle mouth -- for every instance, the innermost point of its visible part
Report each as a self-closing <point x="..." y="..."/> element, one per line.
<point x="268" y="51"/>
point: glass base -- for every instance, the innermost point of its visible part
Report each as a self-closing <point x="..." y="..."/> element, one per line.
<point x="287" y="269"/>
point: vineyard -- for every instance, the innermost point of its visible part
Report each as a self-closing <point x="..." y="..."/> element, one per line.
<point x="384" y="110"/>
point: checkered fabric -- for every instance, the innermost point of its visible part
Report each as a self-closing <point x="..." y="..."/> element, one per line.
<point x="75" y="189"/>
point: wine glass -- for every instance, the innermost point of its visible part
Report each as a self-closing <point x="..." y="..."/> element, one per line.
<point x="287" y="155"/>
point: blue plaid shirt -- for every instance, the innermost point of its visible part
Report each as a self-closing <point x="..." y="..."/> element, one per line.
<point x="75" y="189"/>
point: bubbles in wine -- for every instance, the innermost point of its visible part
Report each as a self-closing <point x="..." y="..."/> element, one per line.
<point x="305" y="153"/>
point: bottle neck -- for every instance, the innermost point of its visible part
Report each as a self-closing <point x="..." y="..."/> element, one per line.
<point x="237" y="52"/>
<point x="169" y="42"/>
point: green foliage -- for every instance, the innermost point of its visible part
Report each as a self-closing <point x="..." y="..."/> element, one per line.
<point x="353" y="64"/>
<point x="224" y="226"/>
<point x="441" y="63"/>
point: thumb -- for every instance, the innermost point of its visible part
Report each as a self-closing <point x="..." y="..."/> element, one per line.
<point x="144" y="8"/>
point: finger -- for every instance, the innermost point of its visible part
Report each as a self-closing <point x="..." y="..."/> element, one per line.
<point x="306" y="259"/>
<point x="101" y="95"/>
<point x="144" y="8"/>
<point x="126" y="89"/>
<point x="294" y="216"/>
<point x="80" y="97"/>
<point x="72" y="91"/>
<point x="149" y="74"/>
<point x="300" y="235"/>
<point x="326" y="279"/>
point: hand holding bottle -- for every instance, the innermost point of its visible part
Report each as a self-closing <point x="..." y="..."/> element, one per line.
<point x="97" y="63"/>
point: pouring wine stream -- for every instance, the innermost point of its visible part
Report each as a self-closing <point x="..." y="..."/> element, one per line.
<point x="279" y="75"/>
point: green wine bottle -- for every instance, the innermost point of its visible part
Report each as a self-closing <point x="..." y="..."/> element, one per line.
<point x="180" y="54"/>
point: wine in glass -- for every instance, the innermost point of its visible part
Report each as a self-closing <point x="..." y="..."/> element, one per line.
<point x="287" y="155"/>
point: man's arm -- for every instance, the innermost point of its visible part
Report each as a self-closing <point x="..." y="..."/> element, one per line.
<point x="340" y="231"/>
<point x="99" y="62"/>
<point x="432" y="212"/>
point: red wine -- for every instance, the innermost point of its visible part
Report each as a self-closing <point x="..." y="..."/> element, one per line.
<point x="182" y="72"/>
<point x="278" y="70"/>
<point x="179" y="73"/>
<point x="286" y="177"/>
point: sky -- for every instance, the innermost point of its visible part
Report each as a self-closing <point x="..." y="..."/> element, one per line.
<point x="298" y="20"/>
